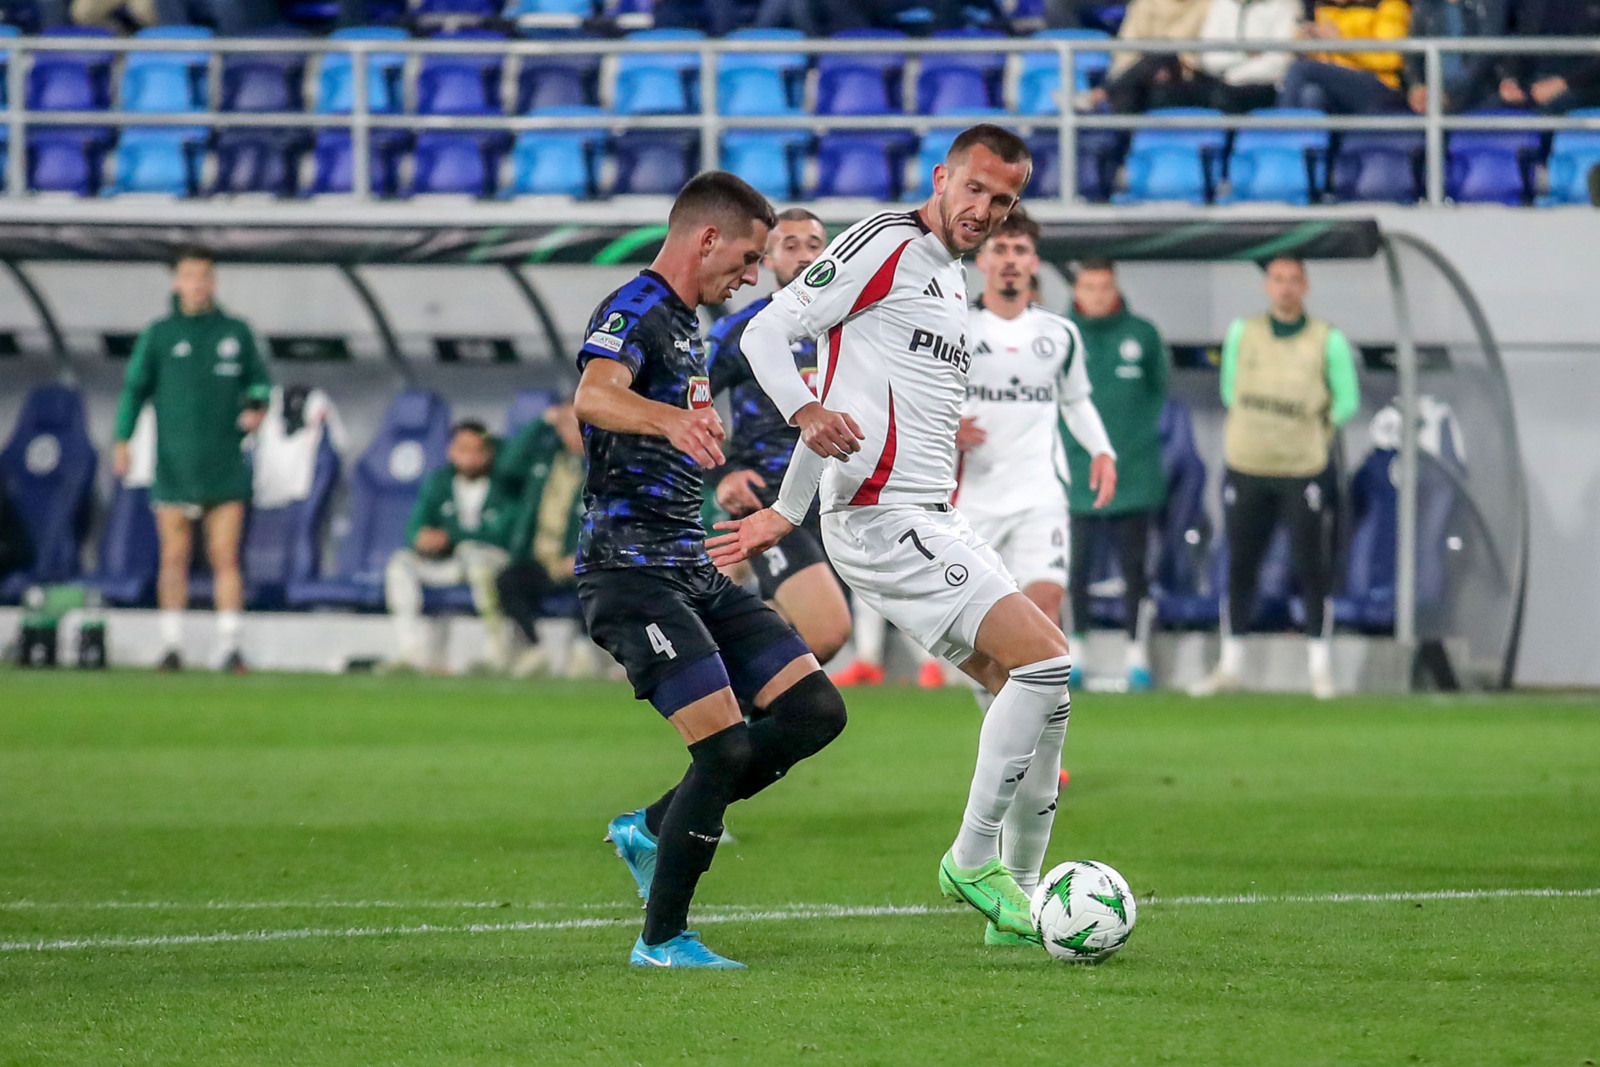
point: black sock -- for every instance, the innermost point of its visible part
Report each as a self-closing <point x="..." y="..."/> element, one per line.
<point x="655" y="813"/>
<point x="692" y="827"/>
<point x="798" y="724"/>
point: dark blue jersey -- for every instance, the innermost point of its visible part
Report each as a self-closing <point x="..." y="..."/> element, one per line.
<point x="642" y="496"/>
<point x="759" y="439"/>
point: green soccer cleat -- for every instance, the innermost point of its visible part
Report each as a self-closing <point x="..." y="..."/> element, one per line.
<point x="637" y="848"/>
<point x="991" y="890"/>
<point x="993" y="935"/>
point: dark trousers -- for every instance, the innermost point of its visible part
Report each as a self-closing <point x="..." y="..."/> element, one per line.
<point x="522" y="587"/>
<point x="1338" y="90"/>
<point x="1130" y="536"/>
<point x="1163" y="81"/>
<point x="1253" y="506"/>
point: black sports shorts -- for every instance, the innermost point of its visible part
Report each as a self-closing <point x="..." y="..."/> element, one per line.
<point x="787" y="558"/>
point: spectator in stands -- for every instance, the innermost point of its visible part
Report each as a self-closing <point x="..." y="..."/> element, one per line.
<point x="821" y="18"/>
<point x="1243" y="81"/>
<point x="115" y="15"/>
<point x="1469" y="80"/>
<point x="1138" y="82"/>
<point x="459" y="532"/>
<point x="1127" y="364"/>
<point x="1351" y="83"/>
<point x="1288" y="382"/>
<point x="200" y="370"/>
<point x="546" y="459"/>
<point x="1553" y="83"/>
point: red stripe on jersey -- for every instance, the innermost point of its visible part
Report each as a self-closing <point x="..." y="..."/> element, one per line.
<point x="868" y="493"/>
<point x="876" y="289"/>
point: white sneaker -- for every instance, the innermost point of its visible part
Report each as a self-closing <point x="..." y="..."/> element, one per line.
<point x="1322" y="685"/>
<point x="534" y="660"/>
<point x="1218" y="681"/>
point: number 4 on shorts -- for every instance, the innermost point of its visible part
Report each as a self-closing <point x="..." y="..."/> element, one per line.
<point x="659" y="642"/>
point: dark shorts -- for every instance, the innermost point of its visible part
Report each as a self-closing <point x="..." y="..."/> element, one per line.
<point x="801" y="549"/>
<point x="656" y="621"/>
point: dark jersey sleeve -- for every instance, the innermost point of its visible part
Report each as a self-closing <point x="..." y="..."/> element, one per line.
<point x="613" y="335"/>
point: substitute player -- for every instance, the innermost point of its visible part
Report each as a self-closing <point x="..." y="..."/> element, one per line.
<point x="793" y="575"/>
<point x="890" y="297"/>
<point x="688" y="637"/>
<point x="200" y="370"/>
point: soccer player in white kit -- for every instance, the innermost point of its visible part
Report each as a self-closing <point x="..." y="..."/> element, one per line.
<point x="1027" y="365"/>
<point x="889" y="299"/>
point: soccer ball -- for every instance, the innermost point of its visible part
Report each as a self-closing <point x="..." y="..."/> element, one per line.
<point x="1084" y="911"/>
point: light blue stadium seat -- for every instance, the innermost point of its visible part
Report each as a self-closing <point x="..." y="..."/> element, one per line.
<point x="1174" y="164"/>
<point x="767" y="159"/>
<point x="549" y="12"/>
<point x="934" y="147"/>
<point x="1573" y="153"/>
<point x="158" y="160"/>
<point x="658" y="82"/>
<point x="1039" y="81"/>
<point x="557" y="162"/>
<point x="336" y="75"/>
<point x="753" y="91"/>
<point x="1287" y="166"/>
<point x="165" y="81"/>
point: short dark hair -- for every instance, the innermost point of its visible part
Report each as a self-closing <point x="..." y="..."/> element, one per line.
<point x="720" y="199"/>
<point x="1097" y="263"/>
<point x="997" y="139"/>
<point x="798" y="214"/>
<point x="188" y="252"/>
<point x="470" y="426"/>
<point x="1018" y="224"/>
<point x="1288" y="257"/>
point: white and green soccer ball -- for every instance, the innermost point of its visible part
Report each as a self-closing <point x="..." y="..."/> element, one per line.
<point x="1084" y="911"/>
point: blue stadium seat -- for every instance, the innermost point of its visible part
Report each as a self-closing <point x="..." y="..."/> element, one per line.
<point x="860" y="83"/>
<point x="71" y="81"/>
<point x="549" y="12"/>
<point x="1492" y="166"/>
<point x="1287" y="166"/>
<point x="862" y="163"/>
<point x="453" y="11"/>
<point x="258" y="161"/>
<point x="658" y="82"/>
<point x="934" y="147"/>
<point x="1039" y="80"/>
<point x="156" y="160"/>
<point x="1573" y="153"/>
<point x="655" y="162"/>
<point x="1381" y="166"/>
<point x="791" y="65"/>
<point x="753" y="91"/>
<point x="130" y="552"/>
<point x="5" y="64"/>
<point x="1183" y="528"/>
<point x="47" y="472"/>
<point x="961" y="81"/>
<point x="1099" y="154"/>
<point x="467" y="84"/>
<point x="165" y="81"/>
<point x="457" y="162"/>
<point x="770" y="160"/>
<point x="263" y="81"/>
<point x="556" y="81"/>
<point x="1203" y="610"/>
<point x="526" y="406"/>
<point x="333" y="161"/>
<point x="558" y="162"/>
<point x="283" y="545"/>
<point x="1174" y="164"/>
<point x="65" y="159"/>
<point x="383" y="489"/>
<point x="336" y="75"/>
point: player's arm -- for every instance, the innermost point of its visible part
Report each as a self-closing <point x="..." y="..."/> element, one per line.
<point x="605" y="400"/>
<point x="257" y="383"/>
<point x="725" y="363"/>
<point x="1083" y="420"/>
<point x="1342" y="384"/>
<point x="1230" y="360"/>
<point x="137" y="386"/>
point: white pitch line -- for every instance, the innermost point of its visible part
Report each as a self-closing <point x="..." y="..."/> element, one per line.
<point x="1377" y="898"/>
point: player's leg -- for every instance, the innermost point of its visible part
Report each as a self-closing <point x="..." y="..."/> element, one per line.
<point x="1133" y="548"/>
<point x="794" y="577"/>
<point x="1081" y="539"/>
<point x="869" y="630"/>
<point x="224" y="527"/>
<point x="1310" y="550"/>
<point x="174" y="529"/>
<point x="521" y="588"/>
<point x="1250" y="513"/>
<point x="403" y="580"/>
<point x="482" y="565"/>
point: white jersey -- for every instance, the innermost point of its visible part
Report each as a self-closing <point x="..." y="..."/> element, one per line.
<point x="888" y="302"/>
<point x="1024" y="372"/>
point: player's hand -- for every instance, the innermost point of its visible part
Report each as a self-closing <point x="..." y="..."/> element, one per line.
<point x="969" y="434"/>
<point x="736" y="492"/>
<point x="746" y="537"/>
<point x="696" y="434"/>
<point x="1103" y="478"/>
<point x="830" y="434"/>
<point x="432" y="541"/>
<point x="1547" y="89"/>
<point x="1511" y="92"/>
<point x="121" y="459"/>
<point x="250" y="419"/>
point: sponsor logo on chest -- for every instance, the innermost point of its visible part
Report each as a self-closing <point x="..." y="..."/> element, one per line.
<point x="1014" y="391"/>
<point x="699" y="391"/>
<point x="954" y="353"/>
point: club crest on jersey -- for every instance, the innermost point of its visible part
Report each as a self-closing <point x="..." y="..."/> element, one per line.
<point x="1130" y="349"/>
<point x="699" y="391"/>
<point x="821" y="274"/>
<point x="228" y="348"/>
<point x="954" y="354"/>
<point x="1044" y="347"/>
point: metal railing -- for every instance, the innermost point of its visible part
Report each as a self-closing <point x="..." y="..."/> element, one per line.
<point x="361" y="120"/>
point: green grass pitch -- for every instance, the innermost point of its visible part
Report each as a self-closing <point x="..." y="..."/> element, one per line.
<point x="275" y="870"/>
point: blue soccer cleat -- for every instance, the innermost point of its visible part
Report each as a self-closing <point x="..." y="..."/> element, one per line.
<point x="685" y="950"/>
<point x="637" y="847"/>
<point x="1075" y="678"/>
<point x="1139" y="680"/>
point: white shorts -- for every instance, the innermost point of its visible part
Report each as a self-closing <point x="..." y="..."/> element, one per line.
<point x="925" y="571"/>
<point x="1033" y="544"/>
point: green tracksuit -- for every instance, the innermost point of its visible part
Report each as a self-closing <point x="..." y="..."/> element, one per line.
<point x="1127" y="364"/>
<point x="528" y="460"/>
<point x="200" y="371"/>
<point x="436" y="507"/>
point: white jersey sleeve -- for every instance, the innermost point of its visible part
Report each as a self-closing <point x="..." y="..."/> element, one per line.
<point x="1077" y="409"/>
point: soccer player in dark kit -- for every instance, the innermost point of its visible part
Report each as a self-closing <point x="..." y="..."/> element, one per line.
<point x="693" y="643"/>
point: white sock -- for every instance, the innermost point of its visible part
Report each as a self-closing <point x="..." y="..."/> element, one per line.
<point x="1232" y="661"/>
<point x="1319" y="651"/>
<point x="1025" y="833"/>
<point x="171" y="627"/>
<point x="1011" y="732"/>
<point x="1138" y="657"/>
<point x="1139" y="644"/>
<point x="402" y="594"/>
<point x="869" y="629"/>
<point x="228" y="623"/>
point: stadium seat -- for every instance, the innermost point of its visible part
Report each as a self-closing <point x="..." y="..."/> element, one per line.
<point x="130" y="552"/>
<point x="1174" y="164"/>
<point x="1099" y="154"/>
<point x="1573" y="154"/>
<point x="1287" y="166"/>
<point x="753" y="91"/>
<point x="452" y="12"/>
<point x="1203" y="610"/>
<point x="860" y="83"/>
<point x="770" y="160"/>
<point x="47" y="472"/>
<point x="557" y="162"/>
<point x="658" y="82"/>
<point x="258" y="161"/>
<point x="154" y="160"/>
<point x="5" y="65"/>
<point x="283" y="545"/>
<point x="961" y="81"/>
<point x="71" y="81"/>
<point x="1380" y="166"/>
<point x="263" y="81"/>
<point x="461" y="84"/>
<point x="333" y="161"/>
<point x="549" y="12"/>
<point x="655" y="162"/>
<point x="934" y="147"/>
<point x="791" y="65"/>
<point x="383" y="488"/>
<point x="457" y="162"/>
<point x="336" y="75"/>
<point x="1183" y="530"/>
<point x="165" y="81"/>
<point x="865" y="164"/>
<point x="65" y="159"/>
<point x="557" y="81"/>
<point x="1039" y="80"/>
<point x="526" y="406"/>
<point x="1492" y="166"/>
